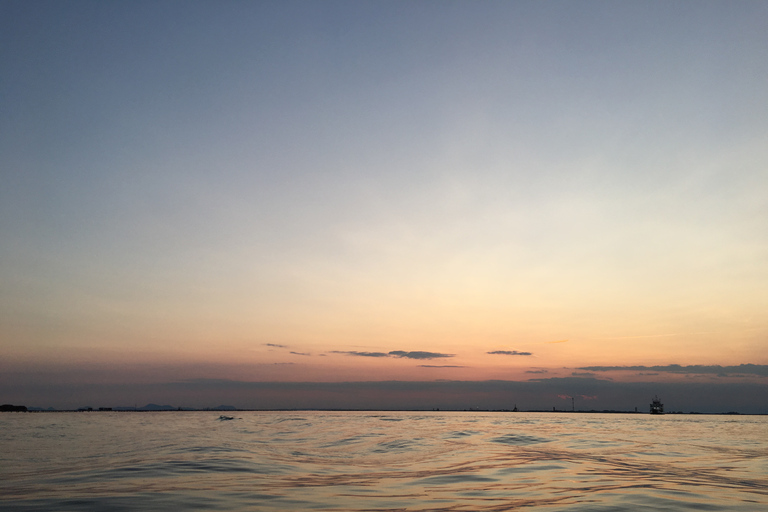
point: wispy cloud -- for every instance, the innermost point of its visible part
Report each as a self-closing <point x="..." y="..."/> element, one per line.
<point x="572" y="380"/>
<point x="417" y="354"/>
<point x="440" y="366"/>
<point x="537" y="371"/>
<point x="509" y="353"/>
<point x="582" y="374"/>
<point x="361" y="354"/>
<point x="300" y="353"/>
<point x="557" y="341"/>
<point x="274" y="345"/>
<point x="742" y="369"/>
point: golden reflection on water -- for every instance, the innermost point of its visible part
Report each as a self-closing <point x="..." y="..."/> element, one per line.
<point x="346" y="461"/>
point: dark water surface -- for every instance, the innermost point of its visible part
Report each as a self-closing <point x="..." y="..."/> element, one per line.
<point x="363" y="461"/>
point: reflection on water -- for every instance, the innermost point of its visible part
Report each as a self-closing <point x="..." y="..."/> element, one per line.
<point x="345" y="461"/>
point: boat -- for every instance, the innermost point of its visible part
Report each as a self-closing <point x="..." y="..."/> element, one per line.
<point x="656" y="406"/>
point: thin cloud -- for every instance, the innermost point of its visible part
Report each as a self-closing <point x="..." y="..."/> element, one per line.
<point x="582" y="374"/>
<point x="418" y="354"/>
<point x="571" y="380"/>
<point x="300" y="353"/>
<point x="360" y="354"/>
<point x="557" y="341"/>
<point x="274" y="345"/>
<point x="440" y="366"/>
<point x="537" y="371"/>
<point x="509" y="353"/>
<point x="723" y="371"/>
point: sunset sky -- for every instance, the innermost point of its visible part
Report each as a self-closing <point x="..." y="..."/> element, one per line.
<point x="198" y="193"/>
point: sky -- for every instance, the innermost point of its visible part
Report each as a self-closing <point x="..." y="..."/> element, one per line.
<point x="205" y="202"/>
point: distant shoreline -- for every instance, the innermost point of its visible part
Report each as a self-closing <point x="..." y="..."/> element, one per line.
<point x="634" y="413"/>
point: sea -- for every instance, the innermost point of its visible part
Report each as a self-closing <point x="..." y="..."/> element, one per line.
<point x="382" y="461"/>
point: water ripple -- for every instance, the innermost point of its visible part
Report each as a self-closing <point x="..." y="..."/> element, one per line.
<point x="395" y="461"/>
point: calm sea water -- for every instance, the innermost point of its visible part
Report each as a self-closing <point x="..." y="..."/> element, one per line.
<point x="344" y="461"/>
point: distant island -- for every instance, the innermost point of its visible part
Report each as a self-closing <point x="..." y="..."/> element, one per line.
<point x="12" y="408"/>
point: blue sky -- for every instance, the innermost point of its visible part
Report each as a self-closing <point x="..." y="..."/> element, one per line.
<point x="189" y="182"/>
